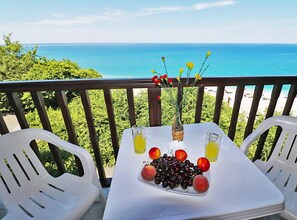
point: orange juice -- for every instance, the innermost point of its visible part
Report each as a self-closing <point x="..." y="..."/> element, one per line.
<point x="139" y="143"/>
<point x="212" y="151"/>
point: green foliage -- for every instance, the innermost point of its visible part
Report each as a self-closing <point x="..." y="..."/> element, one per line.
<point x="46" y="69"/>
<point x="53" y="70"/>
<point x="15" y="61"/>
<point x="59" y="129"/>
<point x="141" y="108"/>
<point x="101" y="123"/>
<point x="16" y="64"/>
<point x="240" y="128"/>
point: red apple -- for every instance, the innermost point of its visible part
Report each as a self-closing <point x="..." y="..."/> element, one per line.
<point x="200" y="183"/>
<point x="203" y="164"/>
<point x="148" y="172"/>
<point x="181" y="155"/>
<point x="154" y="153"/>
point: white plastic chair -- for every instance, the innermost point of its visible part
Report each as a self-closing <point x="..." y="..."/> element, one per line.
<point x="28" y="191"/>
<point x="281" y="167"/>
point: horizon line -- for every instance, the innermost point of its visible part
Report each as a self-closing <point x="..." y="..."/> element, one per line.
<point x="92" y="43"/>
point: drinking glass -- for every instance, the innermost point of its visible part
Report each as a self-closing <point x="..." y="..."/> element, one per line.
<point x="212" y="145"/>
<point x="139" y="139"/>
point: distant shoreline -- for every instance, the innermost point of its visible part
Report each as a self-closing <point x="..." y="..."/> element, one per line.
<point x="247" y="99"/>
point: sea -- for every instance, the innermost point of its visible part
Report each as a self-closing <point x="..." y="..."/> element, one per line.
<point x="136" y="60"/>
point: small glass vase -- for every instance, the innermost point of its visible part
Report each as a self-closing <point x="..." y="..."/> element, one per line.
<point x="177" y="128"/>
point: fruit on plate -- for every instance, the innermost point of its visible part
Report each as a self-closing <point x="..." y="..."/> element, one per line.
<point x="148" y="172"/>
<point x="154" y="153"/>
<point x="172" y="173"/>
<point x="200" y="183"/>
<point x="203" y="164"/>
<point x="181" y="155"/>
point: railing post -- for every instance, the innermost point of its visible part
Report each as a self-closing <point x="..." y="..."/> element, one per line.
<point x="256" y="99"/>
<point x="199" y="102"/>
<point x="235" y="111"/>
<point x="218" y="106"/>
<point x="112" y="124"/>
<point x="130" y="98"/>
<point x="40" y="106"/>
<point x="62" y="102"/>
<point x="93" y="136"/>
<point x="154" y="106"/>
<point x="290" y="100"/>
<point x="3" y="126"/>
<point x="16" y="104"/>
<point x="272" y="104"/>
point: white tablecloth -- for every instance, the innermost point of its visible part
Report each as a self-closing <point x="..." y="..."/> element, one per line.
<point x="237" y="190"/>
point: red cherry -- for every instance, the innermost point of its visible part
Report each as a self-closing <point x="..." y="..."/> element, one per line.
<point x="203" y="164"/>
<point x="181" y="155"/>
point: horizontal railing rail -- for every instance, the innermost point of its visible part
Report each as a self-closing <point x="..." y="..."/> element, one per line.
<point x="59" y="87"/>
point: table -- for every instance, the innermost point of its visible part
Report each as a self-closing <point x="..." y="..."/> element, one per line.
<point x="238" y="189"/>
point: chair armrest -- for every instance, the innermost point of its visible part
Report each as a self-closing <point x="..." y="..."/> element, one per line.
<point x="84" y="156"/>
<point x="264" y="126"/>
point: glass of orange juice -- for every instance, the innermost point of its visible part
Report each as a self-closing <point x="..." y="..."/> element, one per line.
<point x="212" y="145"/>
<point x="139" y="139"/>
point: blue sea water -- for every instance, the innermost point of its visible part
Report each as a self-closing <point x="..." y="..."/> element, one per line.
<point x="137" y="60"/>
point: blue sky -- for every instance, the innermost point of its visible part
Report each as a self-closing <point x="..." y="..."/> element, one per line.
<point x="114" y="21"/>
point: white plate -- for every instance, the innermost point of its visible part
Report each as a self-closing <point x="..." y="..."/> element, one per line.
<point x="190" y="190"/>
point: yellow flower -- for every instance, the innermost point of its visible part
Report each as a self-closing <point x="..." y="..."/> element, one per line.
<point x="198" y="76"/>
<point x="208" y="54"/>
<point x="178" y="78"/>
<point x="181" y="70"/>
<point x="153" y="71"/>
<point x="190" y="65"/>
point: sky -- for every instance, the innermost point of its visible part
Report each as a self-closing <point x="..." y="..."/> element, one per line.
<point x="152" y="21"/>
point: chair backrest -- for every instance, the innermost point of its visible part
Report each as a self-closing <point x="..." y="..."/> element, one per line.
<point x="19" y="165"/>
<point x="281" y="167"/>
<point x="28" y="191"/>
<point x="286" y="148"/>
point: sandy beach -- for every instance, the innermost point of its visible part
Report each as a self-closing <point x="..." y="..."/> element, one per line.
<point x="246" y="103"/>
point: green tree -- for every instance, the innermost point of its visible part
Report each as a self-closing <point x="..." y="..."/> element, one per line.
<point x="46" y="69"/>
<point x="101" y="125"/>
<point x="15" y="60"/>
<point x="18" y="63"/>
